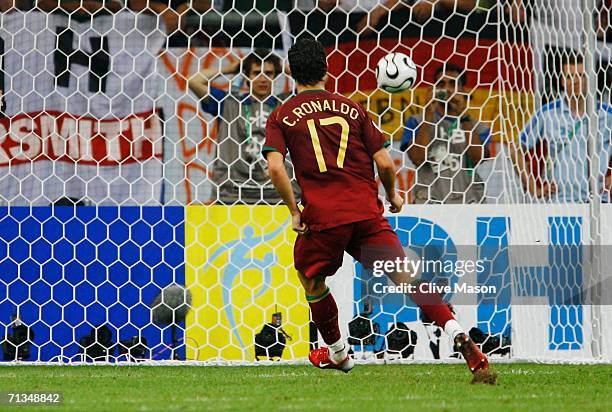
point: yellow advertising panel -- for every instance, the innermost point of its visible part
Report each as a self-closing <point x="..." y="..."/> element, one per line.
<point x="240" y="272"/>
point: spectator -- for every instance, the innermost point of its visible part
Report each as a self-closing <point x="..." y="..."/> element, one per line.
<point x="240" y="172"/>
<point x="445" y="144"/>
<point x="552" y="160"/>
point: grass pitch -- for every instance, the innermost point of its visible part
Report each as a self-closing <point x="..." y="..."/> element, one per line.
<point x="269" y="388"/>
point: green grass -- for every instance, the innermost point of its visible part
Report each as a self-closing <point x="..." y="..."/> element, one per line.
<point x="370" y="388"/>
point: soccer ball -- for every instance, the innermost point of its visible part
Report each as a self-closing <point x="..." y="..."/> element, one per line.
<point x="396" y="72"/>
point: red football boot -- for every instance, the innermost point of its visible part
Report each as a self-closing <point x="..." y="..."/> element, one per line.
<point x="476" y="360"/>
<point x="320" y="358"/>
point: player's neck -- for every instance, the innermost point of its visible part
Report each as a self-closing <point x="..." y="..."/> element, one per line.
<point x="302" y="88"/>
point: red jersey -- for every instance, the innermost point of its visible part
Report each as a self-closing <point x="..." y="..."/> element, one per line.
<point x="331" y="141"/>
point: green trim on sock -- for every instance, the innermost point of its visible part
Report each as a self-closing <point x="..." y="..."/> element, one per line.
<point x="313" y="299"/>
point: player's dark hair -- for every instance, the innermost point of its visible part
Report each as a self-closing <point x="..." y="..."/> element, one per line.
<point x="450" y="68"/>
<point x="307" y="61"/>
<point x="261" y="56"/>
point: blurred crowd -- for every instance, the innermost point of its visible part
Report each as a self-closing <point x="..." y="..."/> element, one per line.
<point x="375" y="12"/>
<point x="442" y="142"/>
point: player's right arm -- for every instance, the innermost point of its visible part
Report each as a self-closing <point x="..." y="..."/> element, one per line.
<point x="199" y="82"/>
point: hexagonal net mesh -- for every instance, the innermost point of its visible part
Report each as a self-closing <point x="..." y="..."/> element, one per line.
<point x="138" y="221"/>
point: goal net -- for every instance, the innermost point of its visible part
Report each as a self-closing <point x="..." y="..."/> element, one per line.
<point x="138" y="221"/>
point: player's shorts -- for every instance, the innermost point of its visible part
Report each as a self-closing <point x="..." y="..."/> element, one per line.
<point x="320" y="253"/>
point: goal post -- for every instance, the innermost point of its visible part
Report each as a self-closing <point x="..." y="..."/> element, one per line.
<point x="138" y="222"/>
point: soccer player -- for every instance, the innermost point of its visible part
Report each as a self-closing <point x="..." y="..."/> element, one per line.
<point x="333" y="144"/>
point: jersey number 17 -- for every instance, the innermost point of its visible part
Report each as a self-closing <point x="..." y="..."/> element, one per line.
<point x="316" y="144"/>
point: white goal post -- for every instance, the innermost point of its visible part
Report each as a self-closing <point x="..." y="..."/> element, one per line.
<point x="138" y="223"/>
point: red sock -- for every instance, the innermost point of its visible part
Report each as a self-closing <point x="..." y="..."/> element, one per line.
<point x="325" y="316"/>
<point x="433" y="306"/>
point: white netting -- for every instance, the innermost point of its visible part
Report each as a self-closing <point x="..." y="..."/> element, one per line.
<point x="138" y="219"/>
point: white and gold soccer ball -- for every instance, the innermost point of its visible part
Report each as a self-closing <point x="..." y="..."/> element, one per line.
<point x="396" y="72"/>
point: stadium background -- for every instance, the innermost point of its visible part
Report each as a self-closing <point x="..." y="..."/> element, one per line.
<point x="65" y="270"/>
